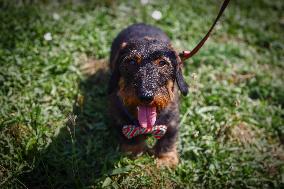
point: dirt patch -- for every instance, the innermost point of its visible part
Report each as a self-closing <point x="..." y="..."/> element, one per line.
<point x="269" y="152"/>
<point x="243" y="134"/>
<point x="91" y="66"/>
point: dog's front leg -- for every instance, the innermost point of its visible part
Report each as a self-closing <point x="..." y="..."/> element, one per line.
<point x="165" y="148"/>
<point x="135" y="146"/>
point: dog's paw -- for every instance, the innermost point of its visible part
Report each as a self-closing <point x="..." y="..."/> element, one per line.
<point x="168" y="159"/>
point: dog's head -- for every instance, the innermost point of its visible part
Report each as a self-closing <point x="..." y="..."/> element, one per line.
<point x="146" y="74"/>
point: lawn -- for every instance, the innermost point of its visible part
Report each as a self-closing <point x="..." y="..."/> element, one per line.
<point x="53" y="78"/>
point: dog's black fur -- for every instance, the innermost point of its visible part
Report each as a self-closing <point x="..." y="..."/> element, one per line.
<point x="145" y="68"/>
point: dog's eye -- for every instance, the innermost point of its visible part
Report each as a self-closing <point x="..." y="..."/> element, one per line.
<point x="162" y="63"/>
<point x="132" y="62"/>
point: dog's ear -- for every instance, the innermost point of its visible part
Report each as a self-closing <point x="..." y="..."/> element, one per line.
<point x="115" y="75"/>
<point x="114" y="79"/>
<point x="182" y="85"/>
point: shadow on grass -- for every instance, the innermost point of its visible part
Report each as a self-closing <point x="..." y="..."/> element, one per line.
<point x="85" y="150"/>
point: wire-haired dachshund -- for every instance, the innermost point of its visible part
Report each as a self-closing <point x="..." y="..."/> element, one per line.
<point x="145" y="69"/>
<point x="142" y="89"/>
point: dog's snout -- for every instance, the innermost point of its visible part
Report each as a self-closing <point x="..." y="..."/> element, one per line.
<point x="146" y="97"/>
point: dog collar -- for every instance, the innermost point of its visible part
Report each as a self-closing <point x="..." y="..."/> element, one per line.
<point x="131" y="131"/>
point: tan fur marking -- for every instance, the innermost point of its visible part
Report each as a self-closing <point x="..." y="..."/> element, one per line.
<point x="127" y="94"/>
<point x="135" y="57"/>
<point x="160" y="101"/>
<point x="138" y="59"/>
<point x="123" y="45"/>
<point x="170" y="88"/>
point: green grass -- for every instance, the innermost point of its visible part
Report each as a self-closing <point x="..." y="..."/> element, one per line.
<point x="53" y="118"/>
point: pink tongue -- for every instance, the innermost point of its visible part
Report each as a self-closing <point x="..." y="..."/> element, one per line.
<point x="147" y="116"/>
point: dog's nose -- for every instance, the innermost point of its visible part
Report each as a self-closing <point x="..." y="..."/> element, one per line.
<point x="147" y="97"/>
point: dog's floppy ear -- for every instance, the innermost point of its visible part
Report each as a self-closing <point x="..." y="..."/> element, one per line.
<point x="114" y="79"/>
<point x="115" y="75"/>
<point x="182" y="85"/>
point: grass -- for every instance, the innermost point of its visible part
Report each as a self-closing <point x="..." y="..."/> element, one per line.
<point x="53" y="121"/>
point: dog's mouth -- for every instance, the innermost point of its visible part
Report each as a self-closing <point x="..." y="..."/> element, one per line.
<point x="147" y="116"/>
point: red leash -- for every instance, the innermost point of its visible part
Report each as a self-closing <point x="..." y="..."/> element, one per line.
<point x="187" y="54"/>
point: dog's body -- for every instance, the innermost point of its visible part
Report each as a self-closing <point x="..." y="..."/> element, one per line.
<point x="145" y="69"/>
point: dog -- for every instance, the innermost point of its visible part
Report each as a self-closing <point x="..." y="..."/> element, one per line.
<point x="145" y="69"/>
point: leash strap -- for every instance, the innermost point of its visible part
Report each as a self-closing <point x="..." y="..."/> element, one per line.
<point x="188" y="54"/>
